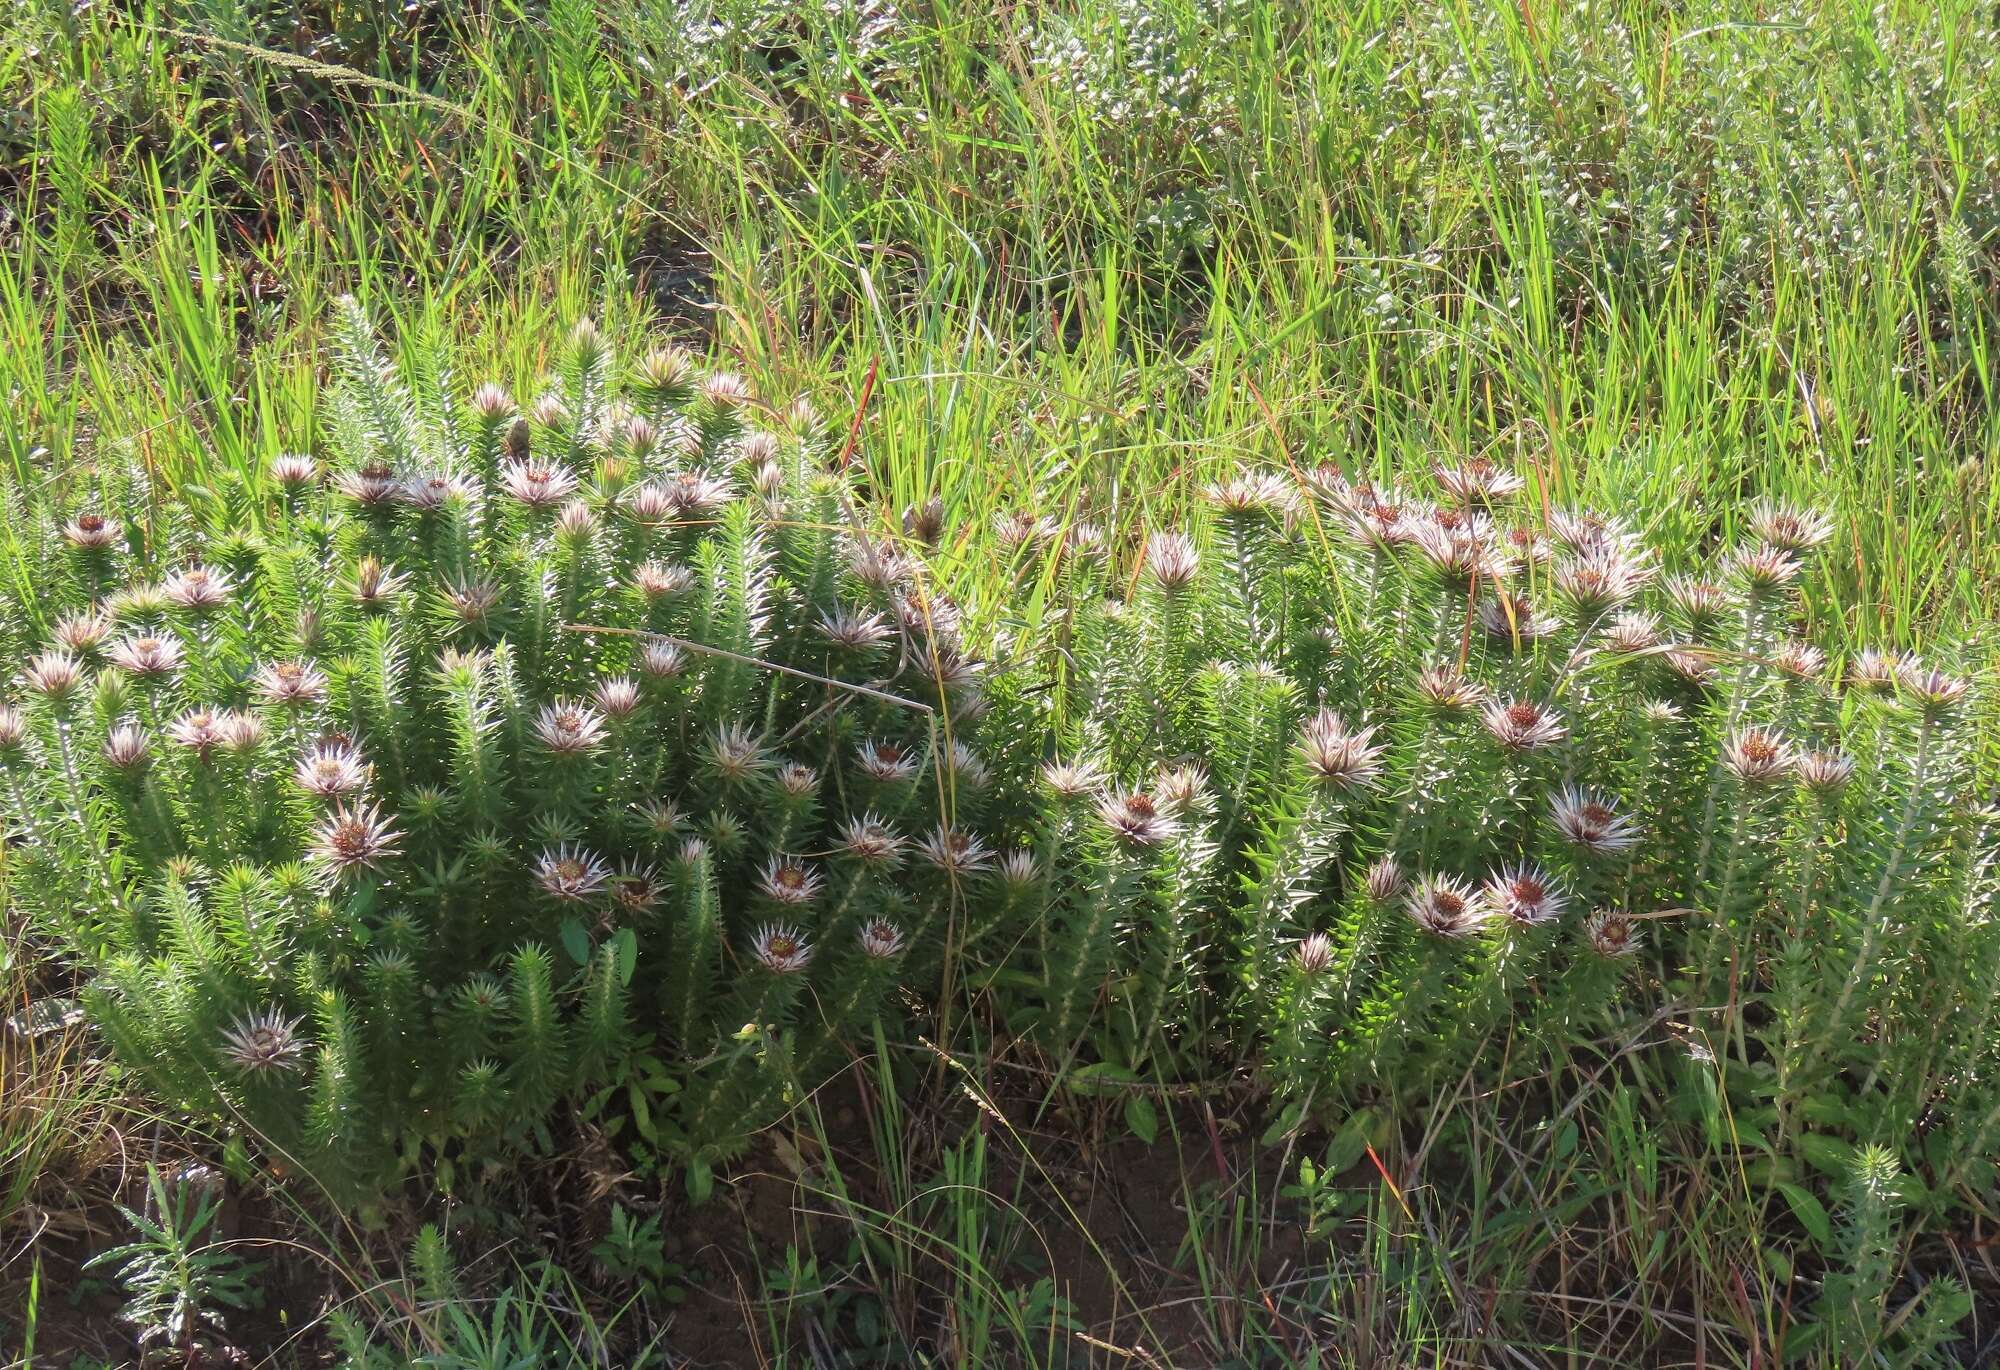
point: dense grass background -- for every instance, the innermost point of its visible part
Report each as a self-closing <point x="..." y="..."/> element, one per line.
<point x="1650" y="250"/>
<point x="1081" y="258"/>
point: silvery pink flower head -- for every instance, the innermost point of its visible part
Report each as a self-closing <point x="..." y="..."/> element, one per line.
<point x="617" y="696"/>
<point x="1613" y="934"/>
<point x="796" y="780"/>
<point x="56" y="676"/>
<point x="491" y="403"/>
<point x="1459" y="546"/>
<point x="571" y="874"/>
<point x="1876" y="672"/>
<point x="1327" y="481"/>
<point x="1789" y="527"/>
<point x="1513" y="619"/>
<point x="952" y="669"/>
<point x="1337" y="757"/>
<point x="205" y="731"/>
<point x="1632" y="632"/>
<point x="1588" y="819"/>
<point x="1700" y="603"/>
<point x="470" y="601"/>
<point x="200" y="731"/>
<point x="758" y="448"/>
<point x="737" y="755"/>
<point x="854" y="630"/>
<point x="928" y="619"/>
<point x="786" y="880"/>
<point x="1086" y="544"/>
<point x="662" y="660"/>
<point x="462" y="667"/>
<point x="870" y="840"/>
<point x="1525" y="548"/>
<point x="1447" y="690"/>
<point x="1757" y="756"/>
<point x="550" y="412"/>
<point x="1659" y="713"/>
<point x="1017" y="869"/>
<point x="373" y="486"/>
<point x="375" y="583"/>
<point x="1584" y="531"/>
<point x="662" y="580"/>
<point x="567" y="728"/>
<point x="575" y="522"/>
<point x="1179" y="789"/>
<point x="886" y="762"/>
<point x="539" y="485"/>
<point x="1171" y="561"/>
<point x="1695" y="665"/>
<point x="667" y="368"/>
<point x="1526" y="894"/>
<point x="126" y="747"/>
<point x="82" y="632"/>
<point x="781" y="949"/>
<point x="1253" y="493"/>
<point x="955" y="851"/>
<point x="1934" y="691"/>
<point x="1799" y="660"/>
<point x="965" y="767"/>
<point x="877" y="565"/>
<point x="264" y="1043"/>
<point x="697" y="495"/>
<point x="1478" y="480"/>
<point x="432" y="492"/>
<point x="294" y="471"/>
<point x="241" y="732"/>
<point x="1522" y="725"/>
<point x="291" y="682"/>
<point x="1014" y="529"/>
<point x="1386" y="526"/>
<point x="1764" y="569"/>
<point x="90" y="532"/>
<point x="1384" y="880"/>
<point x="650" y="503"/>
<point x="353" y="839"/>
<point x="881" y="940"/>
<point x="1314" y="954"/>
<point x="724" y="390"/>
<point x="1825" y="773"/>
<point x="1601" y="579"/>
<point x="635" y="889"/>
<point x="332" y="768"/>
<point x="1446" y="907"/>
<point x="1135" y="819"/>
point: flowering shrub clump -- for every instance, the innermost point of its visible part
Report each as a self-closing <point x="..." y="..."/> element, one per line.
<point x="410" y="792"/>
<point x="1377" y="783"/>
<point x="509" y="757"/>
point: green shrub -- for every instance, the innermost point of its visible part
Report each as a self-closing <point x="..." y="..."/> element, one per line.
<point x="1373" y="786"/>
<point x="370" y="846"/>
<point x="601" y="751"/>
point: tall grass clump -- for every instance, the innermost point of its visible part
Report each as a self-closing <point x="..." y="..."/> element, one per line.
<point x="402" y="794"/>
